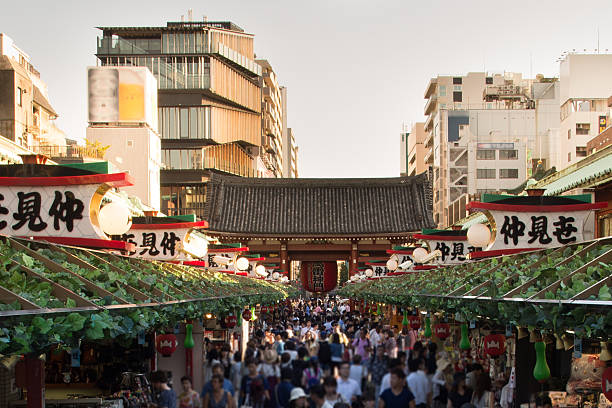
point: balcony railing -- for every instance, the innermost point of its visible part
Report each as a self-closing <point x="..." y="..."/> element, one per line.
<point x="69" y="152"/>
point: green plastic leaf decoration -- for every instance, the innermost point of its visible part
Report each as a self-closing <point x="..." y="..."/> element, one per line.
<point x="465" y="340"/>
<point x="189" y="343"/>
<point x="405" y="321"/>
<point x="253" y="316"/>
<point x="427" y="327"/>
<point x="541" y="372"/>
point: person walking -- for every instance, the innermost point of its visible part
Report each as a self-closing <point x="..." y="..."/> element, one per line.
<point x="459" y="393"/>
<point x="189" y="398"/>
<point x="419" y="383"/>
<point x="253" y="388"/>
<point x="166" y="397"/>
<point x="398" y="395"/>
<point x="483" y="396"/>
<point x="347" y="387"/>
<point x="218" y="397"/>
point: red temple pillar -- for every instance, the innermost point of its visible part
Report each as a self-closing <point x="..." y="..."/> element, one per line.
<point x="354" y="261"/>
<point x="35" y="381"/>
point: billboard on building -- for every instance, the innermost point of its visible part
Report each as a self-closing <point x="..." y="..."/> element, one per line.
<point x="125" y="95"/>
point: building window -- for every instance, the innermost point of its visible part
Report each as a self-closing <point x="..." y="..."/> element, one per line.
<point x="482" y="154"/>
<point x="569" y="134"/>
<point x="485" y="173"/>
<point x="508" y="173"/>
<point x="508" y="154"/>
<point x="442" y="90"/>
<point x="489" y="80"/>
<point x="583" y="128"/>
<point x="457" y="96"/>
<point x="581" y="151"/>
<point x="18" y="97"/>
<point x="457" y="81"/>
<point x="569" y="157"/>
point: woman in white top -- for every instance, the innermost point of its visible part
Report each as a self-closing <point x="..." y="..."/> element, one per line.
<point x="483" y="396"/>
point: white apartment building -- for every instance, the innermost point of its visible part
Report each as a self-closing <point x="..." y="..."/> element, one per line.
<point x="485" y="133"/>
<point x="586" y="84"/>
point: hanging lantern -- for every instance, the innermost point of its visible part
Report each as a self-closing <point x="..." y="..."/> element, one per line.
<point x="230" y="321"/>
<point x="427" y="327"/>
<point x="465" y="339"/>
<point x="246" y="314"/>
<point x="379" y="310"/>
<point x="166" y="344"/>
<point x="253" y="315"/>
<point x="441" y="330"/>
<point x="189" y="343"/>
<point x="541" y="372"/>
<point x="415" y="322"/>
<point x="319" y="277"/>
<point x="405" y="321"/>
<point x="495" y="344"/>
<point x="606" y="383"/>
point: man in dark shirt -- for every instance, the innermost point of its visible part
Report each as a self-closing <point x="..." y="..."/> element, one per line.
<point x="398" y="396"/>
<point x="166" y="397"/>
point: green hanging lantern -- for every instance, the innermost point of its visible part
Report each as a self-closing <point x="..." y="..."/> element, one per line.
<point x="427" y="327"/>
<point x="541" y="372"/>
<point x="405" y="321"/>
<point x="253" y="315"/>
<point x="189" y="343"/>
<point x="239" y="319"/>
<point x="465" y="339"/>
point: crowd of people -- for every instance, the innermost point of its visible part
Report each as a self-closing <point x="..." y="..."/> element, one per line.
<point x="319" y="353"/>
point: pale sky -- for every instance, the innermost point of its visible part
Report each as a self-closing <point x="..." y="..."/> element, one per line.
<point x="355" y="70"/>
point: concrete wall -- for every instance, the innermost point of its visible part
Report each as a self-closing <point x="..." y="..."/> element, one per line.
<point x="136" y="150"/>
<point x="177" y="363"/>
<point x="586" y="76"/>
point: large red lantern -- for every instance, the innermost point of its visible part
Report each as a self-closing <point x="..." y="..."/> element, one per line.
<point x="230" y="321"/>
<point x="441" y="330"/>
<point x="606" y="383"/>
<point x="166" y="344"/>
<point x="415" y="322"/>
<point x="319" y="276"/>
<point x="495" y="344"/>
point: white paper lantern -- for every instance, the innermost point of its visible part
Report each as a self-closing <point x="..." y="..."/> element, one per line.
<point x="242" y="263"/>
<point x="261" y="270"/>
<point x="115" y="218"/>
<point x="392" y="264"/>
<point x="354" y="278"/>
<point x="275" y="275"/>
<point x="419" y="254"/>
<point x="479" y="235"/>
<point x="369" y="273"/>
<point x="285" y="279"/>
<point x="222" y="260"/>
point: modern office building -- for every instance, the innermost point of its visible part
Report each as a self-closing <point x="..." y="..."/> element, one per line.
<point x="291" y="155"/>
<point x="485" y="133"/>
<point x="412" y="150"/>
<point x="27" y="118"/>
<point x="209" y="97"/>
<point x="586" y="84"/>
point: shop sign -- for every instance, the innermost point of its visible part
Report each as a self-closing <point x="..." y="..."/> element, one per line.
<point x="215" y="265"/>
<point x="58" y="211"/>
<point x="165" y="242"/>
<point x="453" y="246"/>
<point x="538" y="226"/>
<point x="60" y="207"/>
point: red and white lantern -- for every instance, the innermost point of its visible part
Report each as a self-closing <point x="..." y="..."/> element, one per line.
<point x="495" y="344"/>
<point x="415" y="322"/>
<point x="442" y="330"/>
<point x="230" y="321"/>
<point x="166" y="344"/>
<point x="319" y="276"/>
